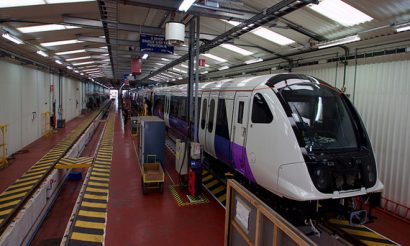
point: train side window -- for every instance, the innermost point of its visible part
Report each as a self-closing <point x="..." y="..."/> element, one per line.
<point x="211" y="115"/>
<point x="204" y="105"/>
<point x="240" y="112"/>
<point x="260" y="110"/>
<point x="221" y="124"/>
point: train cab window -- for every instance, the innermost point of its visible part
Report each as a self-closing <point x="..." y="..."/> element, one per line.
<point x="260" y="110"/>
<point x="204" y="105"/>
<point x="211" y="115"/>
<point x="240" y="112"/>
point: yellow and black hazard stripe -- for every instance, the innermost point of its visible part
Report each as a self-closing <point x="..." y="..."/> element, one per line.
<point x="69" y="162"/>
<point x="360" y="233"/>
<point x="90" y="219"/>
<point x="183" y="200"/>
<point x="14" y="197"/>
<point x="215" y="187"/>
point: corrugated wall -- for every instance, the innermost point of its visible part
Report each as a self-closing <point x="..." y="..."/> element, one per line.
<point x="381" y="93"/>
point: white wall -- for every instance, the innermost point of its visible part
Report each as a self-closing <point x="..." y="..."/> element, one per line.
<point x="24" y="90"/>
<point x="381" y="93"/>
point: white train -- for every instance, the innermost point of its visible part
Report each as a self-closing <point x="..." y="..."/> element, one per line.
<point x="294" y="135"/>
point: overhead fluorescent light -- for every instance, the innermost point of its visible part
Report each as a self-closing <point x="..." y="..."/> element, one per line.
<point x="22" y="3"/>
<point x="236" y="49"/>
<point x="63" y="42"/>
<point x="11" y="38"/>
<point x="145" y="56"/>
<point x="81" y="73"/>
<point x="340" y="12"/>
<point x="58" y="62"/>
<point x="204" y="72"/>
<point x="179" y="70"/>
<point x="402" y="27"/>
<point x="180" y="78"/>
<point x="183" y="65"/>
<point x="165" y="59"/>
<point x="83" y="63"/>
<point x="45" y="28"/>
<point x="272" y="36"/>
<point x="185" y="5"/>
<point x="217" y="58"/>
<point x="170" y="72"/>
<point x="339" y="41"/>
<point x="253" y="60"/>
<point x="69" y="67"/>
<point x="69" y="52"/>
<point x="76" y="71"/>
<point x="42" y="53"/>
<point x="233" y="23"/>
<point x="79" y="58"/>
<point x="223" y="68"/>
<point x="160" y="64"/>
<point x="91" y="70"/>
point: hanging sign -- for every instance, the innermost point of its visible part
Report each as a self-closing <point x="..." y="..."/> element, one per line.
<point x="156" y="44"/>
<point x="201" y="62"/>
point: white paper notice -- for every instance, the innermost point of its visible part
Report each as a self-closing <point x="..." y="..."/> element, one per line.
<point x="242" y="214"/>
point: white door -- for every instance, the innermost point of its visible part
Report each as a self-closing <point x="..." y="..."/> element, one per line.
<point x="210" y="129"/>
<point x="240" y="123"/>
<point x="203" y="118"/>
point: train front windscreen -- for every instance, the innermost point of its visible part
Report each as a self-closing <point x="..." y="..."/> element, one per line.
<point x="321" y="116"/>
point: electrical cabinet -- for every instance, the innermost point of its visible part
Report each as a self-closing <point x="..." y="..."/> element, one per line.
<point x="152" y="139"/>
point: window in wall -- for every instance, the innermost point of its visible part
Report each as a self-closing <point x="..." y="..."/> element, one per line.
<point x="204" y="106"/>
<point x="260" y="110"/>
<point x="240" y="112"/>
<point x="211" y="115"/>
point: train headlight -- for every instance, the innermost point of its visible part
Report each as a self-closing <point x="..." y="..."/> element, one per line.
<point x="371" y="174"/>
<point x="321" y="179"/>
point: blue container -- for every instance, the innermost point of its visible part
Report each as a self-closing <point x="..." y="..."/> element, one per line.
<point x="75" y="176"/>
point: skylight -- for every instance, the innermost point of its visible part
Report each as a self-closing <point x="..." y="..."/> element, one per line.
<point x="69" y="52"/>
<point x="236" y="49"/>
<point x="63" y="42"/>
<point x="340" y="12"/>
<point x="21" y="3"/>
<point x="272" y="36"/>
<point x="44" y="28"/>
<point x="217" y="58"/>
<point x="79" y="58"/>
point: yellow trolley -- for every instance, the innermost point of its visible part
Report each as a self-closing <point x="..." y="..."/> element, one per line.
<point x="152" y="175"/>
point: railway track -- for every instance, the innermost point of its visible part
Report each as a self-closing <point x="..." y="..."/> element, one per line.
<point x="14" y="198"/>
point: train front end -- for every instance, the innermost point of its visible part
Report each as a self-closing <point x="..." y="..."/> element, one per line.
<point x="339" y="160"/>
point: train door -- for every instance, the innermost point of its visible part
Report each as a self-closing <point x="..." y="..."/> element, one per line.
<point x="240" y="124"/>
<point x="210" y="130"/>
<point x="166" y="108"/>
<point x="203" y="118"/>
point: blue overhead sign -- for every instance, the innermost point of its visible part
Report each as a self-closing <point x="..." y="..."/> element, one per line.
<point x="153" y="43"/>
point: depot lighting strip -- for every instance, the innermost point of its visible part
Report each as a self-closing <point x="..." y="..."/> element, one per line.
<point x="185" y="5"/>
<point x="63" y="42"/>
<point x="223" y="68"/>
<point x="79" y="58"/>
<point x="253" y="60"/>
<point x="336" y="42"/>
<point x="42" y="53"/>
<point x="237" y="49"/>
<point x="69" y="52"/>
<point x="83" y="63"/>
<point x="217" y="58"/>
<point x="22" y="3"/>
<point x="45" y="28"/>
<point x="11" y="38"/>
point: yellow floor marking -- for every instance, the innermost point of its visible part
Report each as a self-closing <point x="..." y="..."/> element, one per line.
<point x="39" y="168"/>
<point x="23" y="184"/>
<point x="362" y="233"/>
<point x="99" y="179"/>
<point x="100" y="174"/>
<point x="207" y="178"/>
<point x="101" y="169"/>
<point x="4" y="212"/>
<point x="98" y="184"/>
<point x="13" y="197"/>
<point x="87" y="237"/>
<point x="33" y="173"/>
<point x="95" y="197"/>
<point x="222" y="198"/>
<point x="17" y="190"/>
<point x="92" y="214"/>
<point x="212" y="183"/>
<point x="96" y="190"/>
<point x="94" y="205"/>
<point x="219" y="189"/>
<point x="4" y="205"/>
<point x="93" y="225"/>
<point x="29" y="178"/>
<point x="375" y="243"/>
<point x="1" y="220"/>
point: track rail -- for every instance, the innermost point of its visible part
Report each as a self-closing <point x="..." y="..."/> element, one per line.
<point x="13" y="199"/>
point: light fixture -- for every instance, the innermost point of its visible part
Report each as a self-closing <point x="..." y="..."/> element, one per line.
<point x="253" y="60"/>
<point x="11" y="38"/>
<point x="145" y="56"/>
<point x="79" y="58"/>
<point x="233" y="23"/>
<point x="45" y="28"/>
<point x="272" y="36"/>
<point x="69" y="52"/>
<point x="81" y="73"/>
<point x="22" y="3"/>
<point x="58" y="62"/>
<point x="83" y="63"/>
<point x="179" y="70"/>
<point x="62" y="42"/>
<point x="217" y="58"/>
<point x="340" y="12"/>
<point x="185" y="5"/>
<point x="165" y="59"/>
<point x="223" y="68"/>
<point x="183" y="65"/>
<point x="339" y="41"/>
<point x="42" y="53"/>
<point x="69" y="67"/>
<point x="159" y="64"/>
<point x="180" y="78"/>
<point x="402" y="27"/>
<point x="236" y="49"/>
<point x="204" y="72"/>
<point x="76" y="71"/>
